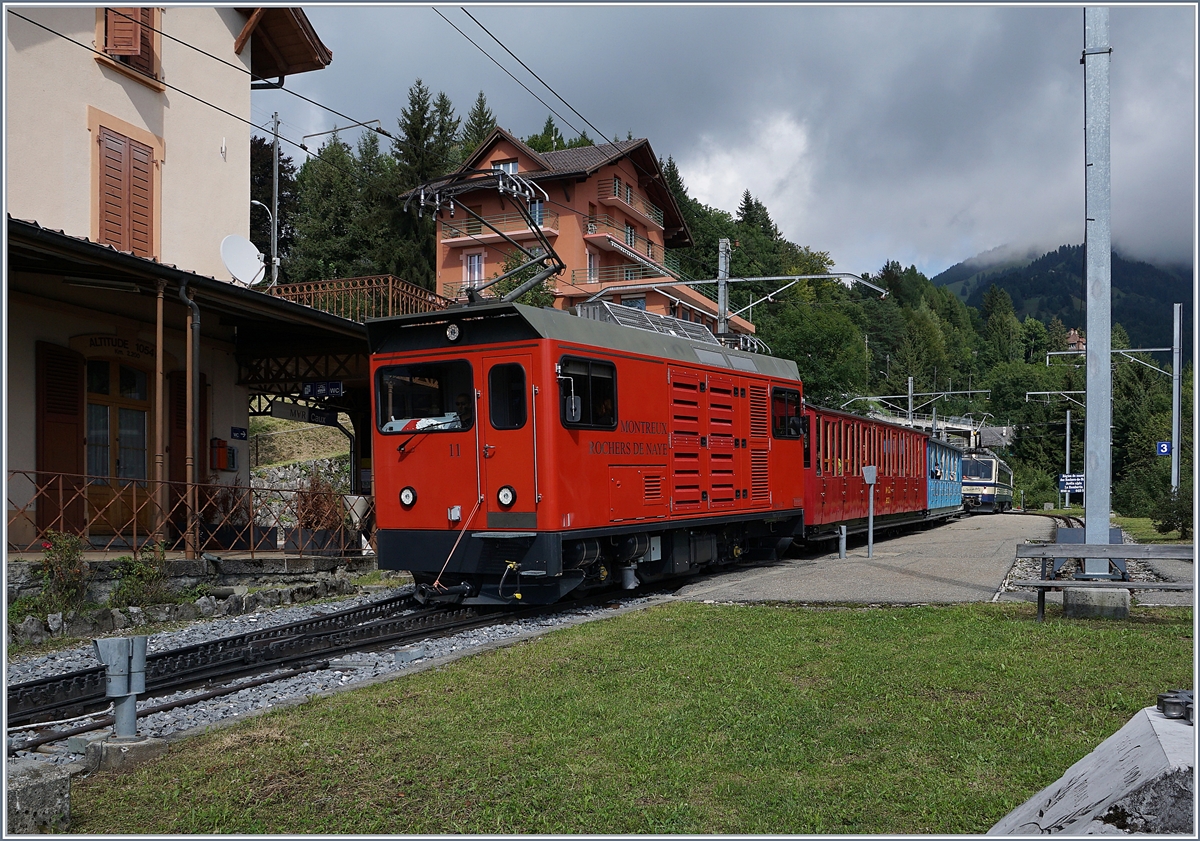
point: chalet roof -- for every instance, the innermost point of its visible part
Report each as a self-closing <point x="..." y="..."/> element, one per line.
<point x="578" y="163"/>
<point x="282" y="42"/>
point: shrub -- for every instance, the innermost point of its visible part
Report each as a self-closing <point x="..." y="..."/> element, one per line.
<point x="1174" y="512"/>
<point x="65" y="573"/>
<point x="142" y="581"/>
<point x="319" y="507"/>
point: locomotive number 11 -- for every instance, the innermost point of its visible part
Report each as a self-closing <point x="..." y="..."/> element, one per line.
<point x="455" y="451"/>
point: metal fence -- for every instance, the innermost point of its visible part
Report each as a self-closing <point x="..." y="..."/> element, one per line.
<point x="360" y="298"/>
<point x="112" y="514"/>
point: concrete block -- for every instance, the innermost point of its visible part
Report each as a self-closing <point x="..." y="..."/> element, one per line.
<point x="1089" y="603"/>
<point x="39" y="798"/>
<point x="118" y="755"/>
<point x="1137" y="780"/>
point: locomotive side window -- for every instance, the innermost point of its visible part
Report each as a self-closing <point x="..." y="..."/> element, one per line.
<point x="591" y="386"/>
<point x="785" y="413"/>
<point x="428" y="397"/>
<point x="506" y="396"/>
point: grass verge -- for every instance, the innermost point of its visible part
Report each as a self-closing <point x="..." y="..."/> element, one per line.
<point x="686" y="718"/>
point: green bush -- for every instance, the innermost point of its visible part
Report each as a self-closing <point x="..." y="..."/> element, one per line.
<point x="1174" y="512"/>
<point x="143" y="581"/>
<point x="65" y="575"/>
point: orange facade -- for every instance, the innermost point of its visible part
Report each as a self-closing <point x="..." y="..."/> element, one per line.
<point x="607" y="214"/>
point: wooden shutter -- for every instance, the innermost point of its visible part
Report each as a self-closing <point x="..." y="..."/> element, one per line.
<point x="60" y="433"/>
<point x="143" y="59"/>
<point x="124" y="31"/>
<point x="126" y="193"/>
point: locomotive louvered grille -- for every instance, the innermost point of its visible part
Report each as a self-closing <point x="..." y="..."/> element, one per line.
<point x="652" y="488"/>
<point x="760" y="488"/>
<point x="722" y="480"/>
<point x="685" y="408"/>
<point x="720" y="413"/>
<point x="685" y="479"/>
<point x="759" y="415"/>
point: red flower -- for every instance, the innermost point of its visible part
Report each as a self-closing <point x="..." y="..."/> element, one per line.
<point x="46" y="545"/>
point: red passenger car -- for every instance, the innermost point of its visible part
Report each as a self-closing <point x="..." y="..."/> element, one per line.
<point x="838" y="446"/>
<point x="522" y="453"/>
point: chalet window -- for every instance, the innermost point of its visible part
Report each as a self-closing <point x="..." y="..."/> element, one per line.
<point x="593" y="269"/>
<point x="129" y="38"/>
<point x="473" y="269"/>
<point x="630" y="235"/>
<point x="509" y="167"/>
<point x="537" y="211"/>
<point x="617" y="186"/>
<point x="638" y="302"/>
<point x="126" y="192"/>
<point x="594" y="384"/>
<point x="628" y="194"/>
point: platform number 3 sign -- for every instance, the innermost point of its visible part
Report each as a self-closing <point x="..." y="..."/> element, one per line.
<point x="1164" y="448"/>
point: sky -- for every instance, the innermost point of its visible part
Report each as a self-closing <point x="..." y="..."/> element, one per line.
<point x="921" y="134"/>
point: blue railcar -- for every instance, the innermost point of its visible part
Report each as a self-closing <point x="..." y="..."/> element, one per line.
<point x="945" y="493"/>
<point x="987" y="482"/>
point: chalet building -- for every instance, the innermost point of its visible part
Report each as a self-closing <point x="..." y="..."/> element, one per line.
<point x="609" y="216"/>
<point x="133" y="359"/>
<point x="1075" y="341"/>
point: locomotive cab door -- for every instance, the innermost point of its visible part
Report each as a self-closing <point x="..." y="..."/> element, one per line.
<point x="507" y="441"/>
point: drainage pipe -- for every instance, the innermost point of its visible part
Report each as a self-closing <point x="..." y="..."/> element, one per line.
<point x="193" y="406"/>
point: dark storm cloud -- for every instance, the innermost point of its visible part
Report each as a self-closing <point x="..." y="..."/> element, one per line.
<point x="921" y="134"/>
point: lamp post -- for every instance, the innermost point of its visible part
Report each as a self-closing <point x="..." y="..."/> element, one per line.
<point x="274" y="242"/>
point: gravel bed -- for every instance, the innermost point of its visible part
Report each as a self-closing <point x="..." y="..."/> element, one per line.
<point x="1027" y="569"/>
<point x="349" y="670"/>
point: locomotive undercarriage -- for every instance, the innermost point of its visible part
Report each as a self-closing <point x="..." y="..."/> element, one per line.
<point x="543" y="567"/>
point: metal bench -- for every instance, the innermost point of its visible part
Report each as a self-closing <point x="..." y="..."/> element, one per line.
<point x="1125" y="551"/>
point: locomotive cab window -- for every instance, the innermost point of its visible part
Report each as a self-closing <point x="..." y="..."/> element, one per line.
<point x="587" y="393"/>
<point x="785" y="413"/>
<point x="506" y="396"/>
<point x="426" y="397"/>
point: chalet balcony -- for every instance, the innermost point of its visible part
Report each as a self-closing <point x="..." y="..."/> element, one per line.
<point x="622" y="273"/>
<point x="467" y="231"/>
<point x="124" y="516"/>
<point x="360" y="298"/>
<point x="606" y="234"/>
<point x="613" y="192"/>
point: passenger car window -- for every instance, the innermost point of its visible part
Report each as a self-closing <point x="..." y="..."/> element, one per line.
<point x="591" y="385"/>
<point x="426" y="397"/>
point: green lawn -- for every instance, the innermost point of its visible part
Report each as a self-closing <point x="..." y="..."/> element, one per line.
<point x="685" y="718"/>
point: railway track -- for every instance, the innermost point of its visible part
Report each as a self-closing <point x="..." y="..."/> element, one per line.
<point x="82" y="691"/>
<point x="277" y="653"/>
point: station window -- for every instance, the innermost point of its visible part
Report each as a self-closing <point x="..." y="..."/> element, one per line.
<point x="506" y="396"/>
<point x="428" y="397"/>
<point x="593" y="384"/>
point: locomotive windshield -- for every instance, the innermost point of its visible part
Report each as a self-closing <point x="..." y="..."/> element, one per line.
<point x="974" y="468"/>
<point x="427" y="397"/>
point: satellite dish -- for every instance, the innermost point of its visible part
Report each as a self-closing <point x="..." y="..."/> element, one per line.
<point x="244" y="261"/>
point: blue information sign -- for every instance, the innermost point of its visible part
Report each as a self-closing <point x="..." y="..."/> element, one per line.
<point x="237" y="433"/>
<point x="328" y="388"/>
<point x="1163" y="448"/>
<point x="1071" y="483"/>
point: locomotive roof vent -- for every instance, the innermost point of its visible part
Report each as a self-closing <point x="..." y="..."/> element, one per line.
<point x="642" y="320"/>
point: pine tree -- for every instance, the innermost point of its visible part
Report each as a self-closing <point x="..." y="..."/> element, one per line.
<point x="548" y="139"/>
<point x="261" y="189"/>
<point x="480" y="123"/>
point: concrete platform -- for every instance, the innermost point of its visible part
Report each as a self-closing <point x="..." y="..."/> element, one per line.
<point x="1139" y="780"/>
<point x="964" y="560"/>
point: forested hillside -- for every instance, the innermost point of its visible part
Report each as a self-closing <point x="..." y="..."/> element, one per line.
<point x="343" y="218"/>
<point x="1051" y="286"/>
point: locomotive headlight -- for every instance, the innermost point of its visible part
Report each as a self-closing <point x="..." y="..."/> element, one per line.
<point x="408" y="497"/>
<point x="506" y="496"/>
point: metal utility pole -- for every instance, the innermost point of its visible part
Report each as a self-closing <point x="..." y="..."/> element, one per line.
<point x="1176" y="386"/>
<point x="722" y="286"/>
<point x="1068" y="466"/>
<point x="1098" y="261"/>
<point x="275" y="200"/>
<point x="910" y="397"/>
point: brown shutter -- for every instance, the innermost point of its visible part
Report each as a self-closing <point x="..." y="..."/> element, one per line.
<point x="126" y="193"/>
<point x="143" y="60"/>
<point x="124" y="31"/>
<point x="61" y="432"/>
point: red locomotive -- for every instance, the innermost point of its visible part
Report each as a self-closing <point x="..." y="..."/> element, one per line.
<point x="522" y="453"/>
